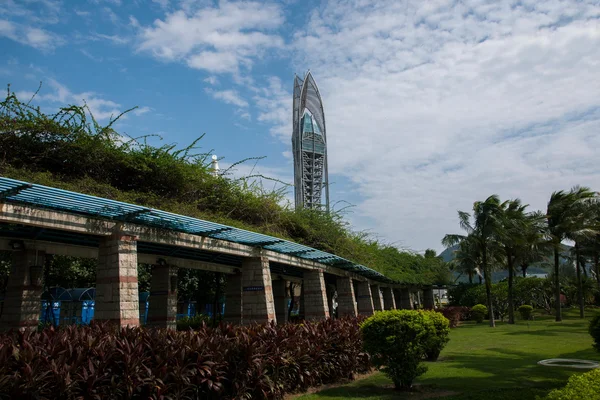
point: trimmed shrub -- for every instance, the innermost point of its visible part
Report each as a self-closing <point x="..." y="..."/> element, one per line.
<point x="437" y="342"/>
<point x="594" y="330"/>
<point x="193" y="323"/>
<point x="526" y="310"/>
<point x="456" y="314"/>
<point x="478" y="312"/>
<point x="397" y="341"/>
<point x="226" y="362"/>
<point x="585" y="386"/>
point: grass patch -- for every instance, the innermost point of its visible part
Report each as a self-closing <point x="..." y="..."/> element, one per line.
<point x="484" y="363"/>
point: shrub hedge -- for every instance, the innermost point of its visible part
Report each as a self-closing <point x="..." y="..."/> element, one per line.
<point x="455" y="314"/>
<point x="398" y="341"/>
<point x="526" y="310"/>
<point x="594" y="330"/>
<point x="437" y="342"/>
<point x="581" y="386"/>
<point x="478" y="312"/>
<point x="226" y="362"/>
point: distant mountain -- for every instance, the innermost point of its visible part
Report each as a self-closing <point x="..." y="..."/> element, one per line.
<point x="539" y="268"/>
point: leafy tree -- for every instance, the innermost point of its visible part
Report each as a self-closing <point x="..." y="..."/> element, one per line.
<point x="567" y="216"/>
<point x="483" y="231"/>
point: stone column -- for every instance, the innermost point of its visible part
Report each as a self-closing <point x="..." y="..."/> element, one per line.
<point x="388" y="298"/>
<point x="428" y="299"/>
<point x="162" y="310"/>
<point x="315" y="295"/>
<point x="22" y="302"/>
<point x="346" y="300"/>
<point x="257" y="291"/>
<point x="281" y="300"/>
<point x="117" y="298"/>
<point x="365" y="299"/>
<point x="377" y="298"/>
<point x="233" y="299"/>
<point x="405" y="300"/>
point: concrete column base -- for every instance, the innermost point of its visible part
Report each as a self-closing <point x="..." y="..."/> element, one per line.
<point x="162" y="310"/>
<point x="257" y="291"/>
<point x="389" y="301"/>
<point x="22" y="303"/>
<point x="365" y="299"/>
<point x="428" y="299"/>
<point x="233" y="299"/>
<point x="117" y="298"/>
<point x="315" y="295"/>
<point x="377" y="297"/>
<point x="346" y="299"/>
<point x="281" y="300"/>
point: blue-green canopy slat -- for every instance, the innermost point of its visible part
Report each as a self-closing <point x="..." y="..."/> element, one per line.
<point x="19" y="192"/>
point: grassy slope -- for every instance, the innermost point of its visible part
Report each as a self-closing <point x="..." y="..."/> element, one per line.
<point x="484" y="363"/>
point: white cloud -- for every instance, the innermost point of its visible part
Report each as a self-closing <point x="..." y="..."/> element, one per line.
<point x="59" y="94"/>
<point x="275" y="105"/>
<point x="212" y="80"/>
<point x="161" y="3"/>
<point x="31" y="36"/>
<point x="218" y="39"/>
<point x="433" y="105"/>
<point x="142" y="110"/>
<point x="228" y="96"/>
<point x="116" y="39"/>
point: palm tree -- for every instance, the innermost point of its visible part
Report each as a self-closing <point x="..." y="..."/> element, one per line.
<point x="536" y="245"/>
<point x="566" y="220"/>
<point x="483" y="232"/>
<point x="510" y="238"/>
<point x="467" y="258"/>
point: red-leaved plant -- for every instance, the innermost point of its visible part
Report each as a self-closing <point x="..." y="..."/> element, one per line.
<point x="231" y="362"/>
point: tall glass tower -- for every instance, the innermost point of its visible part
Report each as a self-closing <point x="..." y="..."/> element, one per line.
<point x="309" y="145"/>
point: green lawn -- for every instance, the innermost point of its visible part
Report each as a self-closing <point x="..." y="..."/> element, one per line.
<point x="485" y="363"/>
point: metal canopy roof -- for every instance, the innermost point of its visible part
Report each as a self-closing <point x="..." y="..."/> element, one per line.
<point x="19" y="192"/>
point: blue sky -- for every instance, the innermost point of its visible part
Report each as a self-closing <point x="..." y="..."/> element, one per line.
<point x="429" y="105"/>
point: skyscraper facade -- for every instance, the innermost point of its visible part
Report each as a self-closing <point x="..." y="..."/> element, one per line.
<point x="309" y="146"/>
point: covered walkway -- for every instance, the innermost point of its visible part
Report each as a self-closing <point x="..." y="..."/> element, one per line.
<point x="36" y="220"/>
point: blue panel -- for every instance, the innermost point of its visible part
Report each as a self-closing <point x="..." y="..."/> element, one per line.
<point x="19" y="192"/>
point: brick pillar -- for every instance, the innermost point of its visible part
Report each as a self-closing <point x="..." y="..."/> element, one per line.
<point x="315" y="295"/>
<point x="396" y="294"/>
<point x="301" y="306"/>
<point x="22" y="302"/>
<point x="428" y="300"/>
<point x="257" y="291"/>
<point x="162" y="310"/>
<point x="388" y="298"/>
<point x="117" y="297"/>
<point x="281" y="300"/>
<point x="345" y="299"/>
<point x="233" y="299"/>
<point x="377" y="298"/>
<point x="405" y="300"/>
<point x="365" y="299"/>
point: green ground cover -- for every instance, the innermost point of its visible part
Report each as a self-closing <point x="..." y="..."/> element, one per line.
<point x="488" y="363"/>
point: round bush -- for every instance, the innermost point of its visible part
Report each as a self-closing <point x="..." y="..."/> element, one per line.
<point x="397" y="340"/>
<point x="438" y="341"/>
<point x="478" y="312"/>
<point x="595" y="331"/>
<point x="585" y="386"/>
<point x="525" y="310"/>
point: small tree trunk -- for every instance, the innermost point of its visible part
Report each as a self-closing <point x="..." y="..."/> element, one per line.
<point x="597" y="267"/>
<point x="524" y="269"/>
<point x="480" y="280"/>
<point x="557" y="284"/>
<point x="488" y="289"/>
<point x="470" y="277"/>
<point x="511" y="301"/>
<point x="580" y="298"/>
<point x="291" y="307"/>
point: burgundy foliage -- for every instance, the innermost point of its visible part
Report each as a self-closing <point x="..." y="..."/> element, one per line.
<point x="455" y="314"/>
<point x="230" y="362"/>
